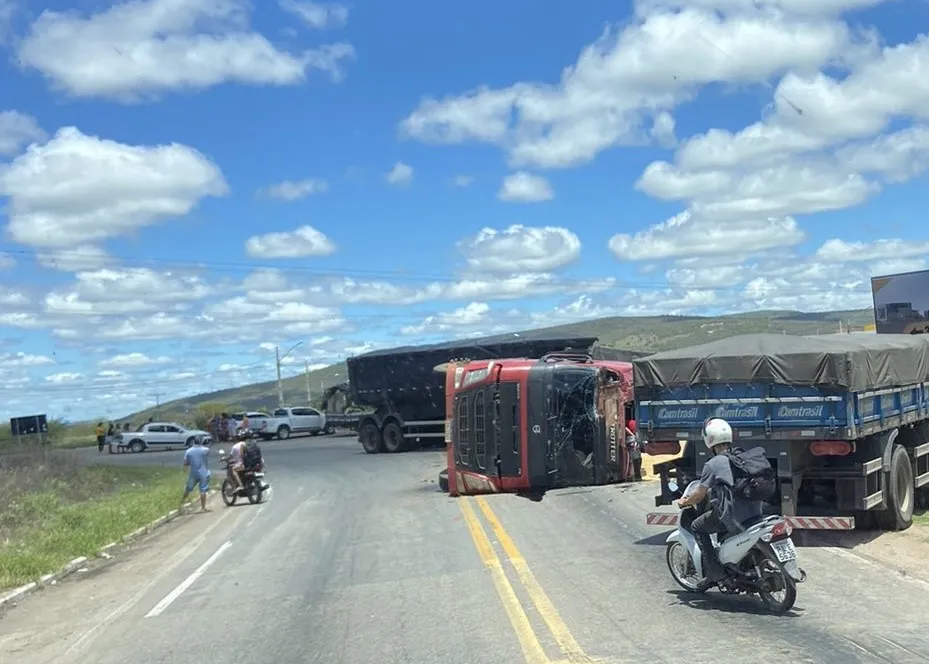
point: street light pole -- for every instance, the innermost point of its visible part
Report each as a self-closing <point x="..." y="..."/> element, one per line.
<point x="309" y="391"/>
<point x="278" y="358"/>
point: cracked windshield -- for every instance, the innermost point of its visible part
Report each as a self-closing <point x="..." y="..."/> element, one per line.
<point x="529" y="332"/>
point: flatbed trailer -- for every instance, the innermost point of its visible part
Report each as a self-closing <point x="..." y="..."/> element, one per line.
<point x="844" y="420"/>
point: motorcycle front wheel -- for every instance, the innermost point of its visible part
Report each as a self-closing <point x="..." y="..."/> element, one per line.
<point x="228" y="492"/>
<point x="778" y="591"/>
<point x="683" y="570"/>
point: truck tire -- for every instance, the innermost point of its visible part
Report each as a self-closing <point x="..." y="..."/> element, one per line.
<point x="899" y="493"/>
<point x="283" y="432"/>
<point x="393" y="438"/>
<point x="371" y="439"/>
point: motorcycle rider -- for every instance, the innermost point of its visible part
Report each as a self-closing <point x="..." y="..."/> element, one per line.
<point x="727" y="510"/>
<point x="236" y="463"/>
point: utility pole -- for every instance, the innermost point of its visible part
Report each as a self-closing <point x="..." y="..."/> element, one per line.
<point x="309" y="391"/>
<point x="278" y="358"/>
<point x="157" y="396"/>
<point x="280" y="383"/>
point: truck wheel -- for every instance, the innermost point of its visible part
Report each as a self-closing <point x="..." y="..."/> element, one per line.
<point x="393" y="438"/>
<point x="283" y="432"/>
<point x="443" y="481"/>
<point x="370" y="437"/>
<point x="899" y="493"/>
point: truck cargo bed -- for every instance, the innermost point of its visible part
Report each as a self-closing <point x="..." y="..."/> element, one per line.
<point x="757" y="412"/>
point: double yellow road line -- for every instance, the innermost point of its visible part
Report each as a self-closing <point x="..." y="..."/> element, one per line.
<point x="532" y="649"/>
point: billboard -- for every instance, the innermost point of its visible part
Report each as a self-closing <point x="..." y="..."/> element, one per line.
<point x="901" y="303"/>
<point x="29" y="425"/>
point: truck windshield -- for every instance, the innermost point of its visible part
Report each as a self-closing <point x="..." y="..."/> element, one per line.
<point x="572" y="411"/>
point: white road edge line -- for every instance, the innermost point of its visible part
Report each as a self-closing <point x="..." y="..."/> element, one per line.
<point x="188" y="582"/>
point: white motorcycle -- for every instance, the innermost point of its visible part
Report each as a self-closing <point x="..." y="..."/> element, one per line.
<point x="761" y="560"/>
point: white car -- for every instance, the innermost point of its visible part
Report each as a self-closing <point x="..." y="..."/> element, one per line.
<point x="162" y="435"/>
<point x="287" y="421"/>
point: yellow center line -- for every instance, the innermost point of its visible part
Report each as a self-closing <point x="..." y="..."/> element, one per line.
<point x="563" y="637"/>
<point x="528" y="641"/>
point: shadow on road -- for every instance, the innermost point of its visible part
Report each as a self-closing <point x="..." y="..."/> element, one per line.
<point x="715" y="601"/>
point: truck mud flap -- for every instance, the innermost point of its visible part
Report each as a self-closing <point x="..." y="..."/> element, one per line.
<point x="796" y="522"/>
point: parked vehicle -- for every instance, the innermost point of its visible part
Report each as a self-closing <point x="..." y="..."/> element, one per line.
<point x="286" y="422"/>
<point x="162" y="435"/>
<point x="760" y="560"/>
<point x="407" y="396"/>
<point x="844" y="420"/>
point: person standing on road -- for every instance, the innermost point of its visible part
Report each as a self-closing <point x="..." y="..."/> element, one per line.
<point x="100" y="432"/>
<point x="231" y="426"/>
<point x="196" y="459"/>
<point x="635" y="450"/>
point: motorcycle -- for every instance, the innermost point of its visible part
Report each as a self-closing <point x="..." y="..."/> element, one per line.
<point x="760" y="560"/>
<point x="253" y="484"/>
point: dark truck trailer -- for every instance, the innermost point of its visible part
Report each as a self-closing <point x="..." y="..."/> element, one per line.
<point x="844" y="420"/>
<point x="408" y="395"/>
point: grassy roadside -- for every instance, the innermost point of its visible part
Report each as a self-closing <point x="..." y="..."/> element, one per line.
<point x="53" y="510"/>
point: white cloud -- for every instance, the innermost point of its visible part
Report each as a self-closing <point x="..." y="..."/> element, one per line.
<point x="289" y="190"/>
<point x="75" y="259"/>
<point x="303" y="242"/>
<point x="663" y="129"/>
<point x="17" y="129"/>
<point x="141" y="48"/>
<point x="317" y="15"/>
<point x="400" y="175"/>
<point x="24" y="360"/>
<point x="134" y="360"/>
<point x="524" y="187"/>
<point x="626" y="76"/>
<point x="462" y="180"/>
<point x="684" y="236"/>
<point x="470" y="316"/>
<point x="78" y="189"/>
<point x="840" y="251"/>
<point x="521" y="249"/>
<point x="64" y="377"/>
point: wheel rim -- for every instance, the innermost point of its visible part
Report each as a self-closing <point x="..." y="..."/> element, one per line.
<point x="903" y="490"/>
<point x="392" y="439"/>
<point x="775" y="597"/>
<point x="682" y="566"/>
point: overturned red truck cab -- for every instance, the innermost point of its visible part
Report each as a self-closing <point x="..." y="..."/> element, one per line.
<point x="531" y="425"/>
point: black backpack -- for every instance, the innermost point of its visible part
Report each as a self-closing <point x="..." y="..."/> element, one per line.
<point x="752" y="474"/>
<point x="252" y="454"/>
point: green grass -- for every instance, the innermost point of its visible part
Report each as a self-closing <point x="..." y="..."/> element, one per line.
<point x="52" y="510"/>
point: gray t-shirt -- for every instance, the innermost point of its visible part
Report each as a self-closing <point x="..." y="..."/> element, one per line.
<point x="733" y="510"/>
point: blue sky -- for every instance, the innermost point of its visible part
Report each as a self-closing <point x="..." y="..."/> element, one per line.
<point x="550" y="163"/>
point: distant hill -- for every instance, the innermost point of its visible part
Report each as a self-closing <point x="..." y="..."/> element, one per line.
<point x="646" y="334"/>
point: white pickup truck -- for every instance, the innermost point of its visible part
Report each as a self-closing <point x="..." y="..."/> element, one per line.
<point x="285" y="422"/>
<point x="161" y="435"/>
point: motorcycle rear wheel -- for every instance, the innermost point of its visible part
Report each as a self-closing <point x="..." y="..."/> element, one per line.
<point x="789" y="586"/>
<point x="228" y="492"/>
<point x="254" y="496"/>
<point x="694" y="583"/>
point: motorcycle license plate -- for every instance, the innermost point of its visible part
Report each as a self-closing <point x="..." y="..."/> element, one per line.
<point x="785" y="550"/>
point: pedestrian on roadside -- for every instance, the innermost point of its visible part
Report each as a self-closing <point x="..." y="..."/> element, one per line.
<point x="100" y="432"/>
<point x="196" y="459"/>
<point x="231" y="427"/>
<point x="635" y="450"/>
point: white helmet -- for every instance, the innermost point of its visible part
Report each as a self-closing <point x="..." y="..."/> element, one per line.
<point x="716" y="431"/>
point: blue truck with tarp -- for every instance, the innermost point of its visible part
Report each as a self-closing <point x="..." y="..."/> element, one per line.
<point x="844" y="420"/>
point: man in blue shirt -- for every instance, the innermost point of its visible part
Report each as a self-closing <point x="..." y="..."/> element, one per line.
<point x="196" y="458"/>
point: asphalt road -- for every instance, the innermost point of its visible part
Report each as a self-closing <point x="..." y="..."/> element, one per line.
<point x="358" y="559"/>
